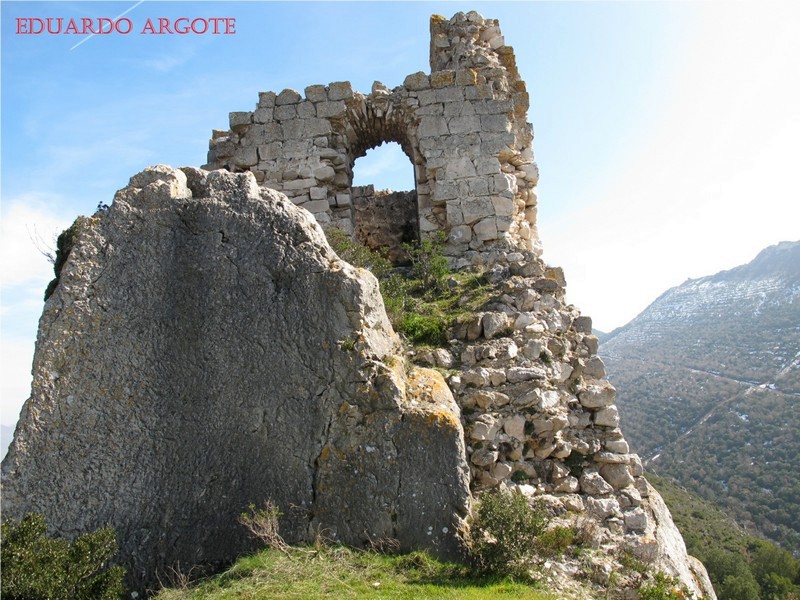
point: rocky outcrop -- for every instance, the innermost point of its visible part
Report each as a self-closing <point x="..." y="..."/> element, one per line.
<point x="205" y="349"/>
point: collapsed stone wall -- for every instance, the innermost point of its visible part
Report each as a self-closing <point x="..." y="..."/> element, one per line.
<point x="540" y="420"/>
<point x="463" y="127"/>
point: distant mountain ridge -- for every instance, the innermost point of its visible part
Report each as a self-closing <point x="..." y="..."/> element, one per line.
<point x="760" y="297"/>
<point x="708" y="380"/>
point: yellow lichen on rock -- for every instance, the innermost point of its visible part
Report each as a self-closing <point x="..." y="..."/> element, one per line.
<point x="428" y="393"/>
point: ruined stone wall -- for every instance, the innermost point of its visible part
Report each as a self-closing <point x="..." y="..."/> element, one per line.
<point x="539" y="416"/>
<point x="307" y="382"/>
<point x="463" y="127"/>
<point x="385" y="220"/>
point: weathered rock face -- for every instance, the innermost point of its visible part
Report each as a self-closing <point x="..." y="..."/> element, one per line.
<point x="206" y="349"/>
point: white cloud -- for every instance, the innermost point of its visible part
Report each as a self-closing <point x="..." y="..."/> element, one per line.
<point x="16" y="358"/>
<point x="29" y="227"/>
<point x="24" y="273"/>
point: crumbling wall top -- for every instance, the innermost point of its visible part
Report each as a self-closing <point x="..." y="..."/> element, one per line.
<point x="463" y="127"/>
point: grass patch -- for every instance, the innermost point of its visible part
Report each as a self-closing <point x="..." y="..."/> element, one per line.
<point x="629" y="561"/>
<point x="337" y="572"/>
<point x="422" y="301"/>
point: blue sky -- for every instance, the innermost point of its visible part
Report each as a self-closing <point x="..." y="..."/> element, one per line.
<point x="665" y="132"/>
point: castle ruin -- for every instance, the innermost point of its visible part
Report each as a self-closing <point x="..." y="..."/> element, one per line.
<point x="463" y="127"/>
<point x="205" y="348"/>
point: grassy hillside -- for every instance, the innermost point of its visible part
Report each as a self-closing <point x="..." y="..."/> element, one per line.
<point x="741" y="567"/>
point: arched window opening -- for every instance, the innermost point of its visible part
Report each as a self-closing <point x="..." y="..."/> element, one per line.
<point x="386" y="167"/>
<point x="384" y="196"/>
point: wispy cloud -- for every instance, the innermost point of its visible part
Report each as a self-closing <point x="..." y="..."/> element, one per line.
<point x="165" y="63"/>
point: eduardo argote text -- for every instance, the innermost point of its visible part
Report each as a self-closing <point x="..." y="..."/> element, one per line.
<point x="124" y="26"/>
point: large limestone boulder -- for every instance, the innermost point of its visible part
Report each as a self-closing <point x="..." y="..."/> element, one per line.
<point x="205" y="349"/>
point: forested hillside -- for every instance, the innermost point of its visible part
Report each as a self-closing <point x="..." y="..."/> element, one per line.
<point x="708" y="381"/>
<point x="741" y="567"/>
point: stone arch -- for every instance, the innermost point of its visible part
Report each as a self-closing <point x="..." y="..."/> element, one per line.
<point x="384" y="219"/>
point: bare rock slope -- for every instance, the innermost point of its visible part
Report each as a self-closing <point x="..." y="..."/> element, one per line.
<point x="205" y="349"/>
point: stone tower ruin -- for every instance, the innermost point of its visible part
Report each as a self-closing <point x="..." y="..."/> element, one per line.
<point x="463" y="127"/>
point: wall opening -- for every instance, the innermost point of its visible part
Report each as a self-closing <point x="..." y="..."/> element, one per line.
<point x="384" y="200"/>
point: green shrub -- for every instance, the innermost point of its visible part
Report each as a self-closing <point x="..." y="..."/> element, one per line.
<point x="555" y="541"/>
<point x="774" y="568"/>
<point x="519" y="476"/>
<point x="262" y="523"/>
<point x="419" y="301"/>
<point x="663" y="587"/>
<point x="64" y="244"/>
<point x="36" y="567"/>
<point x="574" y="462"/>
<point x="427" y="261"/>
<point x="395" y="290"/>
<point x="347" y="344"/>
<point x="358" y="254"/>
<point x="422" y="329"/>
<point x="629" y="561"/>
<point x="502" y="534"/>
<point x="738" y="587"/>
